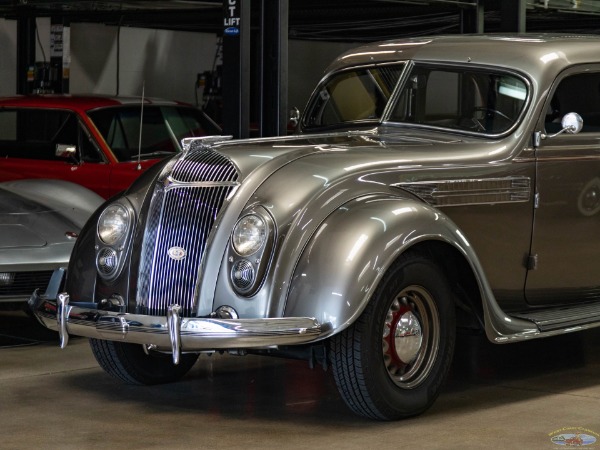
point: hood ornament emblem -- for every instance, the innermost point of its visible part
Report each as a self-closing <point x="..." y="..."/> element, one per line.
<point x="177" y="253"/>
<point x="204" y="142"/>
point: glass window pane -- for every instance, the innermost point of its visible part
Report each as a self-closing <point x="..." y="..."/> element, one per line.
<point x="477" y="101"/>
<point x="120" y="127"/>
<point x="34" y="133"/>
<point x="578" y="93"/>
<point x="352" y="96"/>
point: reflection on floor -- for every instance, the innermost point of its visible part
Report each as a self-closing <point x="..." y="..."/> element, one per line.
<point x="510" y="396"/>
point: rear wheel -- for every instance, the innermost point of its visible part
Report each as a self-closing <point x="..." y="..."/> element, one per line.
<point x="391" y="362"/>
<point x="131" y="364"/>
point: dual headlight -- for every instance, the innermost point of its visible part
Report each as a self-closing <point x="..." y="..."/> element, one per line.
<point x="249" y="234"/>
<point x="113" y="229"/>
<point x="251" y="245"/>
<point x="113" y="224"/>
<point x="249" y="254"/>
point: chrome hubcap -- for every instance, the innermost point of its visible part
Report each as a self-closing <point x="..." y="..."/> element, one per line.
<point x="410" y="338"/>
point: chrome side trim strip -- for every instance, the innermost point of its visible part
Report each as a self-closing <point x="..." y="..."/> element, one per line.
<point x="480" y="191"/>
<point x="528" y="335"/>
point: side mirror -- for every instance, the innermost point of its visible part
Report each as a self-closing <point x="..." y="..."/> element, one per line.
<point x="294" y="117"/>
<point x="572" y="123"/>
<point x="65" y="151"/>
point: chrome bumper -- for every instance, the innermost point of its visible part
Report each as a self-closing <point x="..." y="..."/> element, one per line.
<point x="173" y="333"/>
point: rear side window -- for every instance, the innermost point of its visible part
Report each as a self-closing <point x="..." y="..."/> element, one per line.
<point x="34" y="133"/>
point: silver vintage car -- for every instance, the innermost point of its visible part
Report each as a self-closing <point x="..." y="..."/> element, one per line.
<point x="39" y="223"/>
<point x="434" y="184"/>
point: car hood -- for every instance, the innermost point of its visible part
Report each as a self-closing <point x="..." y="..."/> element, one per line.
<point x="354" y="151"/>
<point x="27" y="220"/>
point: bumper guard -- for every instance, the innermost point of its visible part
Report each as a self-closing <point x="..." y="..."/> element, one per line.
<point x="173" y="333"/>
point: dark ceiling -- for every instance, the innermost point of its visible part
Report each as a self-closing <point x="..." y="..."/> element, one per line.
<point x="349" y="20"/>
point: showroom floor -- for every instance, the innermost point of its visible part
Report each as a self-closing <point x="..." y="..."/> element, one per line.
<point x="500" y="397"/>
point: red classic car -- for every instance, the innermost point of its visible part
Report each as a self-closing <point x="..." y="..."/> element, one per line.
<point x="94" y="140"/>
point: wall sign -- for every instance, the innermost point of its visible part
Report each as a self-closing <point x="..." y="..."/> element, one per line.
<point x="231" y="19"/>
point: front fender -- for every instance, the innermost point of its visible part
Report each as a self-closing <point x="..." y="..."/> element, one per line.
<point x="351" y="250"/>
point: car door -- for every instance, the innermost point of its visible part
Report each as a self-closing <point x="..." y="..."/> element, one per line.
<point x="565" y="245"/>
<point x="30" y="137"/>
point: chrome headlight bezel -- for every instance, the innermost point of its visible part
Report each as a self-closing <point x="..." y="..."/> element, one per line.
<point x="250" y="251"/>
<point x="113" y="224"/>
<point x="113" y="232"/>
<point x="249" y="234"/>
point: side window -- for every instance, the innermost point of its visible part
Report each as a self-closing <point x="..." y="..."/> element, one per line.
<point x="67" y="131"/>
<point x="8" y="125"/>
<point x="34" y="133"/>
<point x="88" y="150"/>
<point x="578" y="93"/>
<point x="442" y="85"/>
<point x="477" y="101"/>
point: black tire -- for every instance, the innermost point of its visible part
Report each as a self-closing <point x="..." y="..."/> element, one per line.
<point x="129" y="363"/>
<point x="367" y="362"/>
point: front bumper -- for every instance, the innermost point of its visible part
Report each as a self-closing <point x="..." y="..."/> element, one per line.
<point x="173" y="333"/>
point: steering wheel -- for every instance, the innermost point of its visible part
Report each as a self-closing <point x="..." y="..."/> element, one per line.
<point x="489" y="112"/>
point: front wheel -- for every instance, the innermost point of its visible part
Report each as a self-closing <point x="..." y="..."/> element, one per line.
<point x="131" y="364"/>
<point x="390" y="364"/>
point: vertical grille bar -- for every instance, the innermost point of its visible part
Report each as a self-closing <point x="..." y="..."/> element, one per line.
<point x="180" y="219"/>
<point x="203" y="165"/>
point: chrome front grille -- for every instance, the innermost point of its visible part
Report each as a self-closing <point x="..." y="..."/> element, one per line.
<point x="203" y="165"/>
<point x="23" y="283"/>
<point x="181" y="216"/>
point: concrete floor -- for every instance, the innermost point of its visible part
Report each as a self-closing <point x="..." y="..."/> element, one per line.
<point x="500" y="397"/>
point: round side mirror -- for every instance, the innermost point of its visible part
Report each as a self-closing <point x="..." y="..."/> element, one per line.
<point x="294" y="117"/>
<point x="572" y="123"/>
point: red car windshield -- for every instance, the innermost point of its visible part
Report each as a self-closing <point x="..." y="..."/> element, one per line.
<point x="163" y="128"/>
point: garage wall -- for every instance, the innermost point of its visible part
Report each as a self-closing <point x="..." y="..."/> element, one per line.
<point x="307" y="63"/>
<point x="167" y="61"/>
<point x="8" y="57"/>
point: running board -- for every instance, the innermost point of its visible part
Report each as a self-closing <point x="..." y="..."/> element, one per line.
<point x="563" y="317"/>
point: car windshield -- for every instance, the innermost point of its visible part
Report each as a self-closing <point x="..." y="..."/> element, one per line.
<point x="464" y="99"/>
<point x="358" y="95"/>
<point x="163" y="128"/>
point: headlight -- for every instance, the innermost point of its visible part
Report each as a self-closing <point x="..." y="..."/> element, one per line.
<point x="113" y="224"/>
<point x="251" y="250"/>
<point x="113" y="232"/>
<point x="249" y="235"/>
